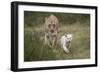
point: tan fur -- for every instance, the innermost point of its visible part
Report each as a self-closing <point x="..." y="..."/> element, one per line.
<point x="51" y="30"/>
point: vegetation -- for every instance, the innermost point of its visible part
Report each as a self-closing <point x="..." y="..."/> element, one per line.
<point x="76" y="24"/>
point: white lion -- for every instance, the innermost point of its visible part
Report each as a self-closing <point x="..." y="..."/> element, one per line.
<point x="66" y="42"/>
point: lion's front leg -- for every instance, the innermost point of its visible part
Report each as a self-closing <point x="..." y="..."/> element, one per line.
<point x="54" y="41"/>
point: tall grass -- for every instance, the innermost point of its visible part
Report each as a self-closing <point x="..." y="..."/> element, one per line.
<point x="76" y="24"/>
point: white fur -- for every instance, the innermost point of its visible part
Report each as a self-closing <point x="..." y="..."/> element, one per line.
<point x="65" y="41"/>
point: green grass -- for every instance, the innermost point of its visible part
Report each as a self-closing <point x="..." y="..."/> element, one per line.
<point x="35" y="50"/>
<point x="73" y="23"/>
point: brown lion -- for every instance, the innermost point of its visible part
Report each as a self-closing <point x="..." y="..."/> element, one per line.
<point x="51" y="30"/>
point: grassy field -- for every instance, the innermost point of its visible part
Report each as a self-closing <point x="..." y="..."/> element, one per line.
<point x="35" y="50"/>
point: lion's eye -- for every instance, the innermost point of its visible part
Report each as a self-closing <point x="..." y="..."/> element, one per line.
<point x="54" y="25"/>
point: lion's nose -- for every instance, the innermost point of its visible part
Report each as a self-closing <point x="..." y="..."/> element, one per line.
<point x="52" y="31"/>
